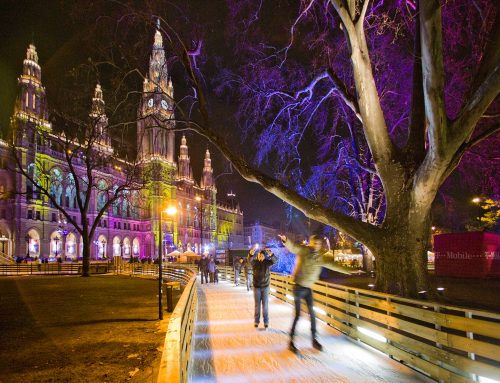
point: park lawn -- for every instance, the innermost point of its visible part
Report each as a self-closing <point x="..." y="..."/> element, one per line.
<point x="72" y="329"/>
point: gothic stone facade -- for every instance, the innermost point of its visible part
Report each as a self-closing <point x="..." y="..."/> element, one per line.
<point x="30" y="225"/>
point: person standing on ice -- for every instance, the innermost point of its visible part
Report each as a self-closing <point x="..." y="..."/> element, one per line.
<point x="261" y="262"/>
<point x="310" y="260"/>
<point x="237" y="269"/>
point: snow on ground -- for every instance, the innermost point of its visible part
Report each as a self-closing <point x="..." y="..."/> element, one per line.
<point x="227" y="347"/>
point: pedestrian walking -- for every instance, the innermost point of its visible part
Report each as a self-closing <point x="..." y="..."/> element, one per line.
<point x="211" y="269"/>
<point x="261" y="262"/>
<point x="237" y="269"/>
<point x="310" y="260"/>
<point x="203" y="267"/>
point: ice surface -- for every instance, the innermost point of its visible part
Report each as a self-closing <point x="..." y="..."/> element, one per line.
<point x="227" y="347"/>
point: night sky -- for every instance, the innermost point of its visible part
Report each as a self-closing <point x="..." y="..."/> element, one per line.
<point x="57" y="39"/>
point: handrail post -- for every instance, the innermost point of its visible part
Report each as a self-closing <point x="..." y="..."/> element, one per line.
<point x="471" y="355"/>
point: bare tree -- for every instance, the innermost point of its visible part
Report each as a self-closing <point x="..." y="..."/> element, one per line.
<point x="75" y="167"/>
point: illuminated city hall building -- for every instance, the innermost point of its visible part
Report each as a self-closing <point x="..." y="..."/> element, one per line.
<point x="30" y="225"/>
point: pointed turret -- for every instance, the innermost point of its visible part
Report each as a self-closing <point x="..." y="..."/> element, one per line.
<point x="185" y="172"/>
<point x="31" y="105"/>
<point x="207" y="181"/>
<point x="99" y="120"/>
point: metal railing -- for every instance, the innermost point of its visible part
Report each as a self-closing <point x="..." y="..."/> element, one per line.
<point x="34" y="268"/>
<point x="447" y="343"/>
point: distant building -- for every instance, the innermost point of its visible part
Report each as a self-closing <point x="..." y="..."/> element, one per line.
<point x="262" y="234"/>
<point x="30" y="225"/>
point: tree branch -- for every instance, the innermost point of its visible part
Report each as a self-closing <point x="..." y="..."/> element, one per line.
<point x="433" y="74"/>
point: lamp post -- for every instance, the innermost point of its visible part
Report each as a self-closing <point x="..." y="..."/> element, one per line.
<point x="103" y="243"/>
<point x="171" y="211"/>
<point x="56" y="240"/>
<point x="200" y="200"/>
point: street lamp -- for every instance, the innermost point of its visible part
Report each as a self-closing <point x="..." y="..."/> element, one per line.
<point x="476" y="200"/>
<point x="56" y="240"/>
<point x="200" y="200"/>
<point x="103" y="243"/>
<point x="171" y="211"/>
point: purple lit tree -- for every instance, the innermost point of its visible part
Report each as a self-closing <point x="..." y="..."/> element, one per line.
<point x="355" y="112"/>
<point x="418" y="109"/>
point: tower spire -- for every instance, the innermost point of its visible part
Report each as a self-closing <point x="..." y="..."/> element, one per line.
<point x="98" y="117"/>
<point x="154" y="138"/>
<point x="31" y="105"/>
<point x="208" y="171"/>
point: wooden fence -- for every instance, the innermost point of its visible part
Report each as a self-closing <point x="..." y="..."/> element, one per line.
<point x="174" y="366"/>
<point x="449" y="344"/>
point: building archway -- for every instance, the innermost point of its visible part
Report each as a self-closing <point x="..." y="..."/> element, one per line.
<point x="136" y="247"/>
<point x="33" y="242"/>
<point x="71" y="246"/>
<point x="126" y="247"/>
<point x="56" y="245"/>
<point x="102" y="247"/>
<point x="116" y="246"/>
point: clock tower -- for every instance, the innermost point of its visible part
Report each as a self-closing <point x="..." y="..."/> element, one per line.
<point x="155" y="135"/>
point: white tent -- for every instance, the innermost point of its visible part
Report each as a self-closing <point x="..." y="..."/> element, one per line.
<point x="191" y="256"/>
<point x="174" y="253"/>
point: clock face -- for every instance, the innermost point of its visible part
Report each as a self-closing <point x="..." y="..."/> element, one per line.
<point x="164" y="104"/>
<point x="150" y="102"/>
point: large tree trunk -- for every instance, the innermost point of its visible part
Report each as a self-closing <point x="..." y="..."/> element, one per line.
<point x="401" y="253"/>
<point x="86" y="256"/>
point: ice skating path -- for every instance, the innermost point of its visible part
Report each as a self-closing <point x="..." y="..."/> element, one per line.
<point x="227" y="348"/>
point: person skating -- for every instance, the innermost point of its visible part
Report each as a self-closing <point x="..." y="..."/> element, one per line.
<point x="310" y="260"/>
<point x="261" y="262"/>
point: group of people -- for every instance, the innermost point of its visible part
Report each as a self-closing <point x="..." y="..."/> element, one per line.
<point x="208" y="269"/>
<point x="311" y="258"/>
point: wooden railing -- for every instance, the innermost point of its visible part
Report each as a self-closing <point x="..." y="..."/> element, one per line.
<point x="174" y="366"/>
<point x="447" y="343"/>
<point x="171" y="271"/>
<point x="52" y="268"/>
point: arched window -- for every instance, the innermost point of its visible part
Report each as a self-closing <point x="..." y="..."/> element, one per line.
<point x="126" y="204"/>
<point x="134" y="204"/>
<point x="117" y="204"/>
<point x="102" y="194"/>
<point x="83" y="183"/>
<point x="70" y="195"/>
<point x="56" y="187"/>
<point x="188" y="215"/>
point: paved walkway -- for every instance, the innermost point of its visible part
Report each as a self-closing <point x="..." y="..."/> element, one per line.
<point x="227" y="347"/>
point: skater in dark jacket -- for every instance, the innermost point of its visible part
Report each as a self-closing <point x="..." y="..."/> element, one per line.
<point x="261" y="262"/>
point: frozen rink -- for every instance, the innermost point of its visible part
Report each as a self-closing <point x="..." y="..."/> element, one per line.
<point x="227" y="348"/>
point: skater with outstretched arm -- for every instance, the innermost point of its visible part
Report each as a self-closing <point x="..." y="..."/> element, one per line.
<point x="261" y="262"/>
<point x="310" y="259"/>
